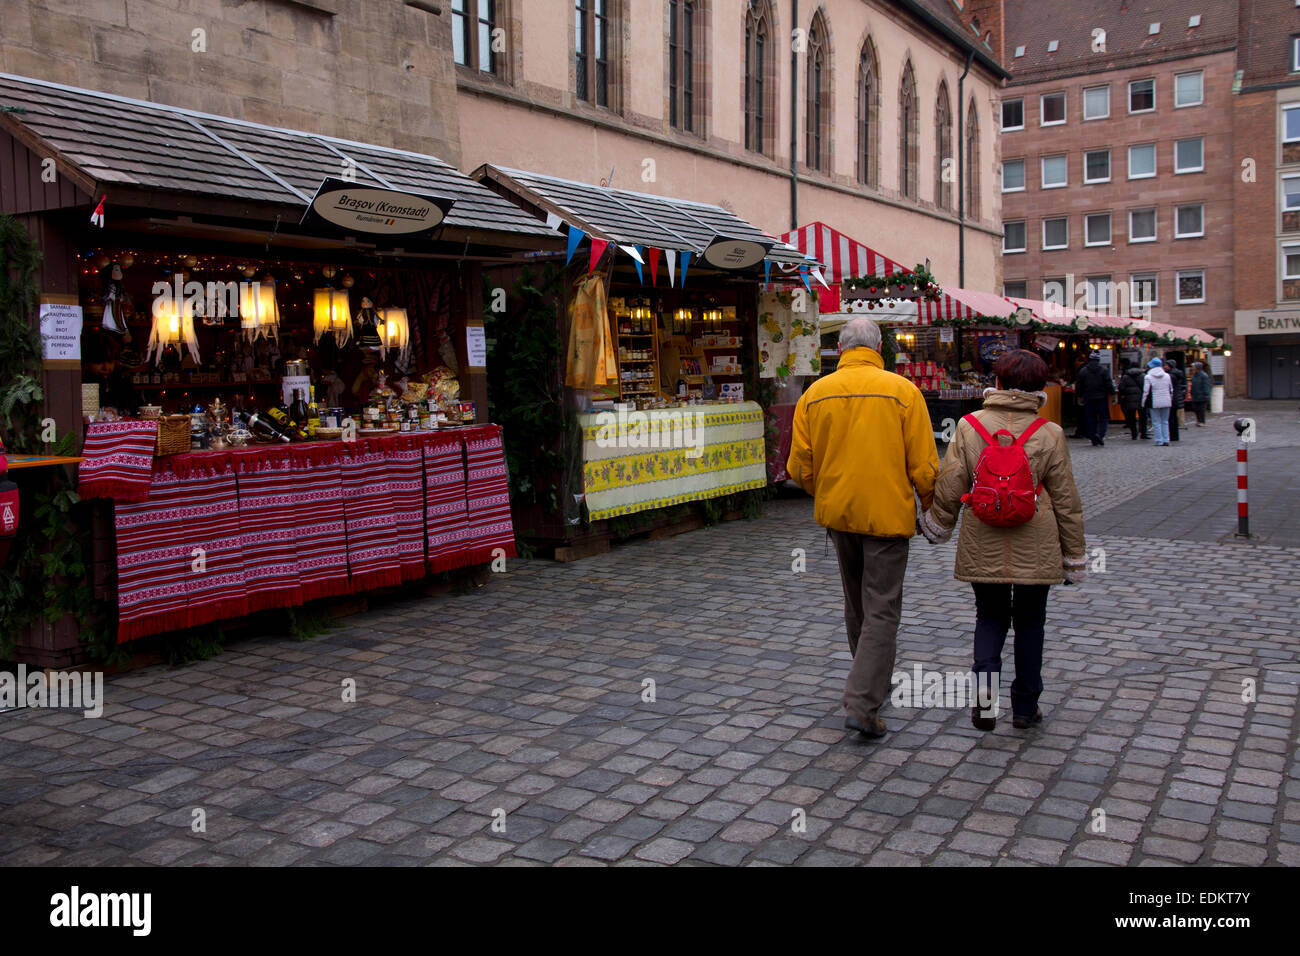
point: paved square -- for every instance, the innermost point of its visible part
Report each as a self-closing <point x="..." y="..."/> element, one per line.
<point x="677" y="702"/>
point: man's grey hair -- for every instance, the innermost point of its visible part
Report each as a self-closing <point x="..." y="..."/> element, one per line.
<point x="859" y="332"/>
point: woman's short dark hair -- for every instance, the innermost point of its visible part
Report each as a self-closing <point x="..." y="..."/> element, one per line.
<point x="1017" y="368"/>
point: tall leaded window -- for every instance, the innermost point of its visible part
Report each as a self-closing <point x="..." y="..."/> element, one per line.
<point x="868" y="115"/>
<point x="972" y="176"/>
<point x="817" y="114"/>
<point x="682" y="32"/>
<point x="945" y="174"/>
<point x="909" y="139"/>
<point x="758" y="52"/>
<point x="591" y="43"/>
<point x="472" y="26"/>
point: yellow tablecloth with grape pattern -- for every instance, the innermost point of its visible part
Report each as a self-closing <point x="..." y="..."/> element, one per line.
<point x="643" y="460"/>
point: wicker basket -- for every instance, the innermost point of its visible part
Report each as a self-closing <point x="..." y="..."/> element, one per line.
<point x="173" y="435"/>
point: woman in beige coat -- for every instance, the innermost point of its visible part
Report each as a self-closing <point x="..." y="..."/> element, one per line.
<point x="1011" y="569"/>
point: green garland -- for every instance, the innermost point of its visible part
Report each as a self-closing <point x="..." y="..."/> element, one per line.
<point x="919" y="283"/>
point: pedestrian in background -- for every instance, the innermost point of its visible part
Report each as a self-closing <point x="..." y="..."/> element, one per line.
<point x="1159" y="388"/>
<point x="1130" y="398"/>
<point x="1202" y="385"/>
<point x="863" y="447"/>
<point x="1179" y="382"/>
<point x="1011" y="569"/>
<point x="1095" y="387"/>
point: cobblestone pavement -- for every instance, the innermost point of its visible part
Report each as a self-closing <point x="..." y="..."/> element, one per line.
<point x="513" y="725"/>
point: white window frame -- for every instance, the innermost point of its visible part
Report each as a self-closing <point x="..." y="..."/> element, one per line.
<point x="1024" y="227"/>
<point x="1023" y="282"/>
<point x="1065" y="103"/>
<point x="1155" y="161"/>
<point x="1155" y="223"/>
<point x="1201" y="100"/>
<point x="1295" y="54"/>
<point x="1042" y="171"/>
<point x="1056" y="281"/>
<point x="1189" y="235"/>
<point x="1132" y="289"/>
<point x="1086" y="154"/>
<point x="1178" y="286"/>
<point x="1295" y="247"/>
<point x="1289" y="108"/>
<point x="1154" y="93"/>
<point x="1110" y="229"/>
<point x="1089" y="301"/>
<point x="1285" y="207"/>
<point x="1064" y="245"/>
<point x="1084" y="96"/>
<point x="1002" y="115"/>
<point x="1190" y="169"/>
<point x="1023" y="177"/>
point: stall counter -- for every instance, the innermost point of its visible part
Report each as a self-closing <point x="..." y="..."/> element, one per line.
<point x="639" y="460"/>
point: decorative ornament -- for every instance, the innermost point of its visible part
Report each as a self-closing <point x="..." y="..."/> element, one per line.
<point x="259" y="313"/>
<point x="173" y="323"/>
<point x="332" y="314"/>
<point x="367" y="327"/>
<point x="347" y="282"/>
<point x="396" y="334"/>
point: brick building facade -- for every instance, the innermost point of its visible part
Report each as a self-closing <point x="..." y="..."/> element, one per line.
<point x="1265" y="334"/>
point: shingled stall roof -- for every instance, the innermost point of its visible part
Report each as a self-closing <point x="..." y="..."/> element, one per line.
<point x="116" y="143"/>
<point x="631" y="218"/>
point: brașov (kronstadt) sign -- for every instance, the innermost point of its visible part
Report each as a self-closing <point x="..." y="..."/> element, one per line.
<point x="1267" y="321"/>
<point x="373" y="210"/>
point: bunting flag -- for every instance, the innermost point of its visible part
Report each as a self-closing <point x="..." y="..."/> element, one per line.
<point x="767" y="272"/>
<point x="803" y="274"/>
<point x="635" y="253"/>
<point x="598" y="247"/>
<point x="553" y="221"/>
<point x="576" y="236"/>
<point x="654" y="265"/>
<point x="686" y="261"/>
<point x="671" y="262"/>
<point x="97" y="217"/>
<point x="817" y="274"/>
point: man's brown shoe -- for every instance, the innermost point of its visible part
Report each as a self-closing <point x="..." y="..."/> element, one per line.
<point x="873" y="729"/>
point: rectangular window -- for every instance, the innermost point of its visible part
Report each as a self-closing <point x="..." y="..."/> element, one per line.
<point x="1013" y="115"/>
<point x="681" y="64"/>
<point x="1052" y="109"/>
<point x="1013" y="236"/>
<point x="1142" y="96"/>
<point x="1142" y="161"/>
<point x="1056" y="233"/>
<point x="472" y="23"/>
<point x="459" y="33"/>
<point x="1291" y="262"/>
<point x="1143" y="290"/>
<point x="487" y="15"/>
<point x="1054" y="291"/>
<point x="1013" y="176"/>
<point x="1189" y="89"/>
<point x="1054" y="171"/>
<point x="1016" y="290"/>
<point x="1142" y="225"/>
<point x="1189" y="155"/>
<point x="1191" y="286"/>
<point x="1096" y="229"/>
<point x="591" y="40"/>
<point x="1096" y="103"/>
<point x="1290" y="193"/>
<point x="1295" y="54"/>
<point x="1097" y="294"/>
<point x="1096" y="166"/>
<point x="1291" y="124"/>
<point x="1189" y="221"/>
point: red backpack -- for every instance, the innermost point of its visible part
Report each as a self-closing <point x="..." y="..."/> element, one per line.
<point x="1003" y="494"/>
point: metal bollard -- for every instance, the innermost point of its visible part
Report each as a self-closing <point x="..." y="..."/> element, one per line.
<point x="1243" y="508"/>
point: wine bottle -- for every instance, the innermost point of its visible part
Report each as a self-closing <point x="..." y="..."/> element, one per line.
<point x="266" y="427"/>
<point x="313" y="415"/>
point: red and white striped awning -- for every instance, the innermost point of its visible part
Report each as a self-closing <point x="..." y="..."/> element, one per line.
<point x="967" y="304"/>
<point x="843" y="256"/>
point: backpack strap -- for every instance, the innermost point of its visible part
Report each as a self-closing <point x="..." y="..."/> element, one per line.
<point x="1036" y="424"/>
<point x="979" y="429"/>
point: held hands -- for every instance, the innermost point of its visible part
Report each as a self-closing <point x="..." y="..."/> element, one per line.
<point x="933" y="531"/>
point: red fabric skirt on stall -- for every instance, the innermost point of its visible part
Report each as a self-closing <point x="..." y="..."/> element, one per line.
<point x="405" y="458"/>
<point x="491" y="532"/>
<point x="215" y="584"/>
<point x="368" y="512"/>
<point x="446" y="519"/>
<point x="321" y="541"/>
<point x="267" y="524"/>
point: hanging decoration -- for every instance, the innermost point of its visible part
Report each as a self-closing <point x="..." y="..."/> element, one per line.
<point x="671" y="261"/>
<point x="767" y="272"/>
<point x="686" y="261"/>
<point x="598" y="247"/>
<point x="116" y="303"/>
<point x="396" y="334"/>
<point x="259" y="313"/>
<point x="173" y="323"/>
<point x="575" y="239"/>
<point x="368" y="327"/>
<point x="332" y="315"/>
<point x="654" y="265"/>
<point x="97" y="217"/>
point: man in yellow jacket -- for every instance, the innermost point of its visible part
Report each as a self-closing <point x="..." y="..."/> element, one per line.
<point x="863" y="447"/>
